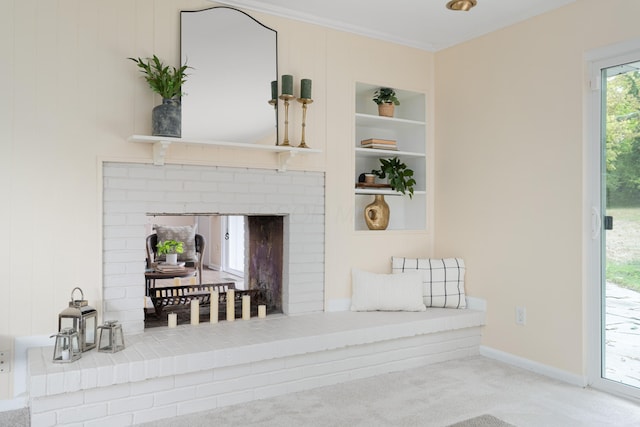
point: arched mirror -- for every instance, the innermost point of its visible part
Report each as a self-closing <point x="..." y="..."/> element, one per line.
<point x="227" y="92"/>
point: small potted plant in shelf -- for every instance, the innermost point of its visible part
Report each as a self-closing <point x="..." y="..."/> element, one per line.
<point x="171" y="249"/>
<point x="167" y="82"/>
<point x="386" y="99"/>
<point x="399" y="176"/>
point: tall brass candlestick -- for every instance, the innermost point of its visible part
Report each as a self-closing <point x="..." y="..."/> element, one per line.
<point x="286" y="99"/>
<point x="304" y="102"/>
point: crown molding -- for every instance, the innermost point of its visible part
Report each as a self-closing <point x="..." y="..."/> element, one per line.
<point x="262" y="7"/>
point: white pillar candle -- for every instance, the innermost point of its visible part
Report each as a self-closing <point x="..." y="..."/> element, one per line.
<point x="172" y="320"/>
<point x="176" y="281"/>
<point x="195" y="312"/>
<point x="65" y="355"/>
<point x="231" y="306"/>
<point x="192" y="280"/>
<point x="213" y="314"/>
<point x="246" y="307"/>
<point x="262" y="311"/>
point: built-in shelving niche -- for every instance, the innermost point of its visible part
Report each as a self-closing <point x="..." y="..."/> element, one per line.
<point x="408" y="128"/>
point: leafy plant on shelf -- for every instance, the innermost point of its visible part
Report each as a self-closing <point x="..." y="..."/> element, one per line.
<point x="170" y="247"/>
<point x="164" y="80"/>
<point x="399" y="176"/>
<point x="385" y="95"/>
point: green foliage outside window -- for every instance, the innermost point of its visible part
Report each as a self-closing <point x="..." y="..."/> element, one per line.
<point x="623" y="140"/>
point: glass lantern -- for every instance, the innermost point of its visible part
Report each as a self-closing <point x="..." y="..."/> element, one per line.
<point x="82" y="318"/>
<point x="111" y="339"/>
<point x="67" y="347"/>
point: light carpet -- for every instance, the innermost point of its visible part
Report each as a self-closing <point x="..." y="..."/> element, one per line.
<point x="435" y="395"/>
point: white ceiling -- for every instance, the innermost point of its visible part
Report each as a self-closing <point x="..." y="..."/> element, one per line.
<point x="424" y="24"/>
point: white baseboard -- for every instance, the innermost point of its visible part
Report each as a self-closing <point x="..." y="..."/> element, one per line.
<point x="474" y="303"/>
<point x="13" y="404"/>
<point x="339" y="304"/>
<point x="530" y="365"/>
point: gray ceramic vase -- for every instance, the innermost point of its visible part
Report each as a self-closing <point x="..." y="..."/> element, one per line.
<point x="166" y="119"/>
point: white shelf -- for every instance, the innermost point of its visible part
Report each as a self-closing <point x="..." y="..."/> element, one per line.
<point x="371" y="120"/>
<point x="162" y="143"/>
<point x="374" y="152"/>
<point x="385" y="192"/>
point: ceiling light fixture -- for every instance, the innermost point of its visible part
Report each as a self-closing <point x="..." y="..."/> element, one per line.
<point x="463" y="5"/>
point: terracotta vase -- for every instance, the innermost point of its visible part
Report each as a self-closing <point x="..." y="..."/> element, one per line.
<point x="376" y="214"/>
<point x="386" y="110"/>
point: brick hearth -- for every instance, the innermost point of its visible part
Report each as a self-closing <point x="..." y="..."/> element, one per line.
<point x="166" y="372"/>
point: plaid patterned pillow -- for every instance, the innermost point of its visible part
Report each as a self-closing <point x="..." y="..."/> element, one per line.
<point x="442" y="279"/>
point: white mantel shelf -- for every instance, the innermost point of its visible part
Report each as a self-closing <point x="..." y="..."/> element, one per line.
<point x="162" y="143"/>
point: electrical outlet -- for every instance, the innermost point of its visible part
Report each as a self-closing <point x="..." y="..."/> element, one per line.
<point x="5" y="361"/>
<point x="521" y="316"/>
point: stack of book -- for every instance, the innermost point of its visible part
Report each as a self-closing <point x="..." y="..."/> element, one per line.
<point x="170" y="268"/>
<point x="379" y="144"/>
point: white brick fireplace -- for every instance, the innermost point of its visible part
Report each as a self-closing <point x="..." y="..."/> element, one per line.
<point x="165" y="372"/>
<point x="132" y="191"/>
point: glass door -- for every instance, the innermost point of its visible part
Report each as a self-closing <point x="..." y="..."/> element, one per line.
<point x="233" y="256"/>
<point x="620" y="186"/>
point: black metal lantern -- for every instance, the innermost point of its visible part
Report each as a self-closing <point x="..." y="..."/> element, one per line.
<point x="67" y="347"/>
<point x="82" y="318"/>
<point x="111" y="339"/>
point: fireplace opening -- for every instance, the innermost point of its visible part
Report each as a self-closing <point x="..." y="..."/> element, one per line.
<point x="133" y="191"/>
<point x="245" y="252"/>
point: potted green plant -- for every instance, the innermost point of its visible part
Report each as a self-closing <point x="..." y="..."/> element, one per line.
<point x="386" y="99"/>
<point x="170" y="249"/>
<point x="167" y="82"/>
<point x="399" y="176"/>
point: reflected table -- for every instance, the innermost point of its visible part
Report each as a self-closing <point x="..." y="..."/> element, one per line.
<point x="151" y="275"/>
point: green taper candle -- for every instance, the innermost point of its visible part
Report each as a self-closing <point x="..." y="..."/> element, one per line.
<point x="305" y="88"/>
<point x="287" y="84"/>
<point x="274" y="89"/>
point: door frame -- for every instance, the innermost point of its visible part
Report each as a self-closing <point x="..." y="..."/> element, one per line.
<point x="593" y="272"/>
<point x="225" y="248"/>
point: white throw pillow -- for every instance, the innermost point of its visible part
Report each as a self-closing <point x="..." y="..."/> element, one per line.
<point x="442" y="279"/>
<point x="386" y="292"/>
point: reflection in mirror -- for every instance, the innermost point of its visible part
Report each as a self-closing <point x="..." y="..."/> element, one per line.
<point x="227" y="92"/>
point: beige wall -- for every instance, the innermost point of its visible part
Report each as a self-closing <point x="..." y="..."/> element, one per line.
<point x="509" y="147"/>
<point x="71" y="98"/>
<point x="508" y="177"/>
